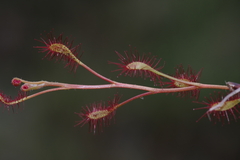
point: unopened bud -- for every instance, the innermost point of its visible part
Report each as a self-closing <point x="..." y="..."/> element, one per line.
<point x="16" y="81"/>
<point x="29" y="86"/>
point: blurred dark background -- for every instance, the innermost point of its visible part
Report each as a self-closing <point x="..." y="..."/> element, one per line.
<point x="201" y="33"/>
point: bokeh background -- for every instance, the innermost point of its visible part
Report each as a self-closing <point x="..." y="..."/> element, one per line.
<point x="200" y="33"/>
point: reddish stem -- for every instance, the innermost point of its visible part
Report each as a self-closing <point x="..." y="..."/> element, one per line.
<point x="97" y="74"/>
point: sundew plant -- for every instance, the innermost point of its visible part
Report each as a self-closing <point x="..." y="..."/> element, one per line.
<point x="219" y="107"/>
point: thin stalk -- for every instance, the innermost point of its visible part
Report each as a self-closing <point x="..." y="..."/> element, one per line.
<point x="133" y="98"/>
<point x="200" y="85"/>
